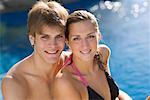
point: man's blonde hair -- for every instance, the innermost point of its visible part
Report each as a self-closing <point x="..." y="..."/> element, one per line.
<point x="46" y="13"/>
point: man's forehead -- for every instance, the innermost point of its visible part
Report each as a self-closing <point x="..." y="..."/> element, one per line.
<point x="51" y="30"/>
<point x="51" y="34"/>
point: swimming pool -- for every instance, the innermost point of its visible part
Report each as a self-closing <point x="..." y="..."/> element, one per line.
<point x="127" y="36"/>
<point x="1" y="76"/>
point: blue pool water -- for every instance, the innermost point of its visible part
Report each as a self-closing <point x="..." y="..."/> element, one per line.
<point x="130" y="59"/>
<point x="127" y="36"/>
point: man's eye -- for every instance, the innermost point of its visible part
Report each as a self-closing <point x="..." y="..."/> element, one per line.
<point x="76" y="39"/>
<point x="45" y="37"/>
<point x="60" y="36"/>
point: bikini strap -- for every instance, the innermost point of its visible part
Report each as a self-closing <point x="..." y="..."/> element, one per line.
<point x="83" y="80"/>
<point x="67" y="61"/>
<point x="77" y="72"/>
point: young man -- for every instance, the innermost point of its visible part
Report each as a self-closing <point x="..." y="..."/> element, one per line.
<point x="32" y="77"/>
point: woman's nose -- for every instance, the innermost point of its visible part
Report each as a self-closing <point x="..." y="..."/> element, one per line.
<point x="85" y="44"/>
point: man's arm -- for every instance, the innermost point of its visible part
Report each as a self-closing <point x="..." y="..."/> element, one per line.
<point x="12" y="89"/>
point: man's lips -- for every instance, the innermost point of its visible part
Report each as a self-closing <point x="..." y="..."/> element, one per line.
<point x="52" y="52"/>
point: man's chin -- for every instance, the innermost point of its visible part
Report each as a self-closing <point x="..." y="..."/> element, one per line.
<point x="53" y="61"/>
<point x="53" y="58"/>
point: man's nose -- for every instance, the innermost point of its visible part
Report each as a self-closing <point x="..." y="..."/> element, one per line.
<point x="52" y="43"/>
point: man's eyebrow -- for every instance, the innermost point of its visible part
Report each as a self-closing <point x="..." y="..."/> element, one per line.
<point x="61" y="34"/>
<point x="49" y="34"/>
<point x="41" y="33"/>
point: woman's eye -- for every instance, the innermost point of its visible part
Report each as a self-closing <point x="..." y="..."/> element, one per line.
<point x="91" y="36"/>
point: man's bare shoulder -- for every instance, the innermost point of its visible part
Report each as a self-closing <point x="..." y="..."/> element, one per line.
<point x="12" y="88"/>
<point x="14" y="81"/>
<point x="20" y="66"/>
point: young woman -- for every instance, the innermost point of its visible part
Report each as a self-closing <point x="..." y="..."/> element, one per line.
<point x="85" y="74"/>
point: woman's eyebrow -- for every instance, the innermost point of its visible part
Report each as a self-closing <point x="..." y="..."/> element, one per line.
<point x="75" y="35"/>
<point x="91" y="33"/>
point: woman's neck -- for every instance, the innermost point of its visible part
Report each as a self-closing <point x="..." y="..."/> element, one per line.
<point x="85" y="67"/>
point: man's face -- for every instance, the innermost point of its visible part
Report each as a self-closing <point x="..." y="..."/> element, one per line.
<point x="49" y="44"/>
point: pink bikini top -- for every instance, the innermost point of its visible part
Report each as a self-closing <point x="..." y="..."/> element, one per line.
<point x="76" y="71"/>
<point x="91" y="92"/>
<point x="114" y="90"/>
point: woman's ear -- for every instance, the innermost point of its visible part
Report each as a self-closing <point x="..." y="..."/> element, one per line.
<point x="99" y="36"/>
<point x="31" y="39"/>
<point x="68" y="46"/>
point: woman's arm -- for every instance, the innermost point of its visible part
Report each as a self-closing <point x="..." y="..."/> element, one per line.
<point x="64" y="90"/>
<point x="105" y="52"/>
<point x="123" y="96"/>
<point x="148" y="97"/>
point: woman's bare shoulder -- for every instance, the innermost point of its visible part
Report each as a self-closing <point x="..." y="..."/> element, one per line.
<point x="104" y="49"/>
<point x="105" y="52"/>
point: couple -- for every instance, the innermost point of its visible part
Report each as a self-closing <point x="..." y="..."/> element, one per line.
<point x="48" y="73"/>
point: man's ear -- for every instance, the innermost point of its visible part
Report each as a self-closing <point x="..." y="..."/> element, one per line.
<point x="31" y="39"/>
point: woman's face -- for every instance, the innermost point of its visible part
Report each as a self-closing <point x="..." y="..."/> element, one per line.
<point x="83" y="39"/>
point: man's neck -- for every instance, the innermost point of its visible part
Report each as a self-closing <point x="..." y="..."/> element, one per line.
<point x="45" y="70"/>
